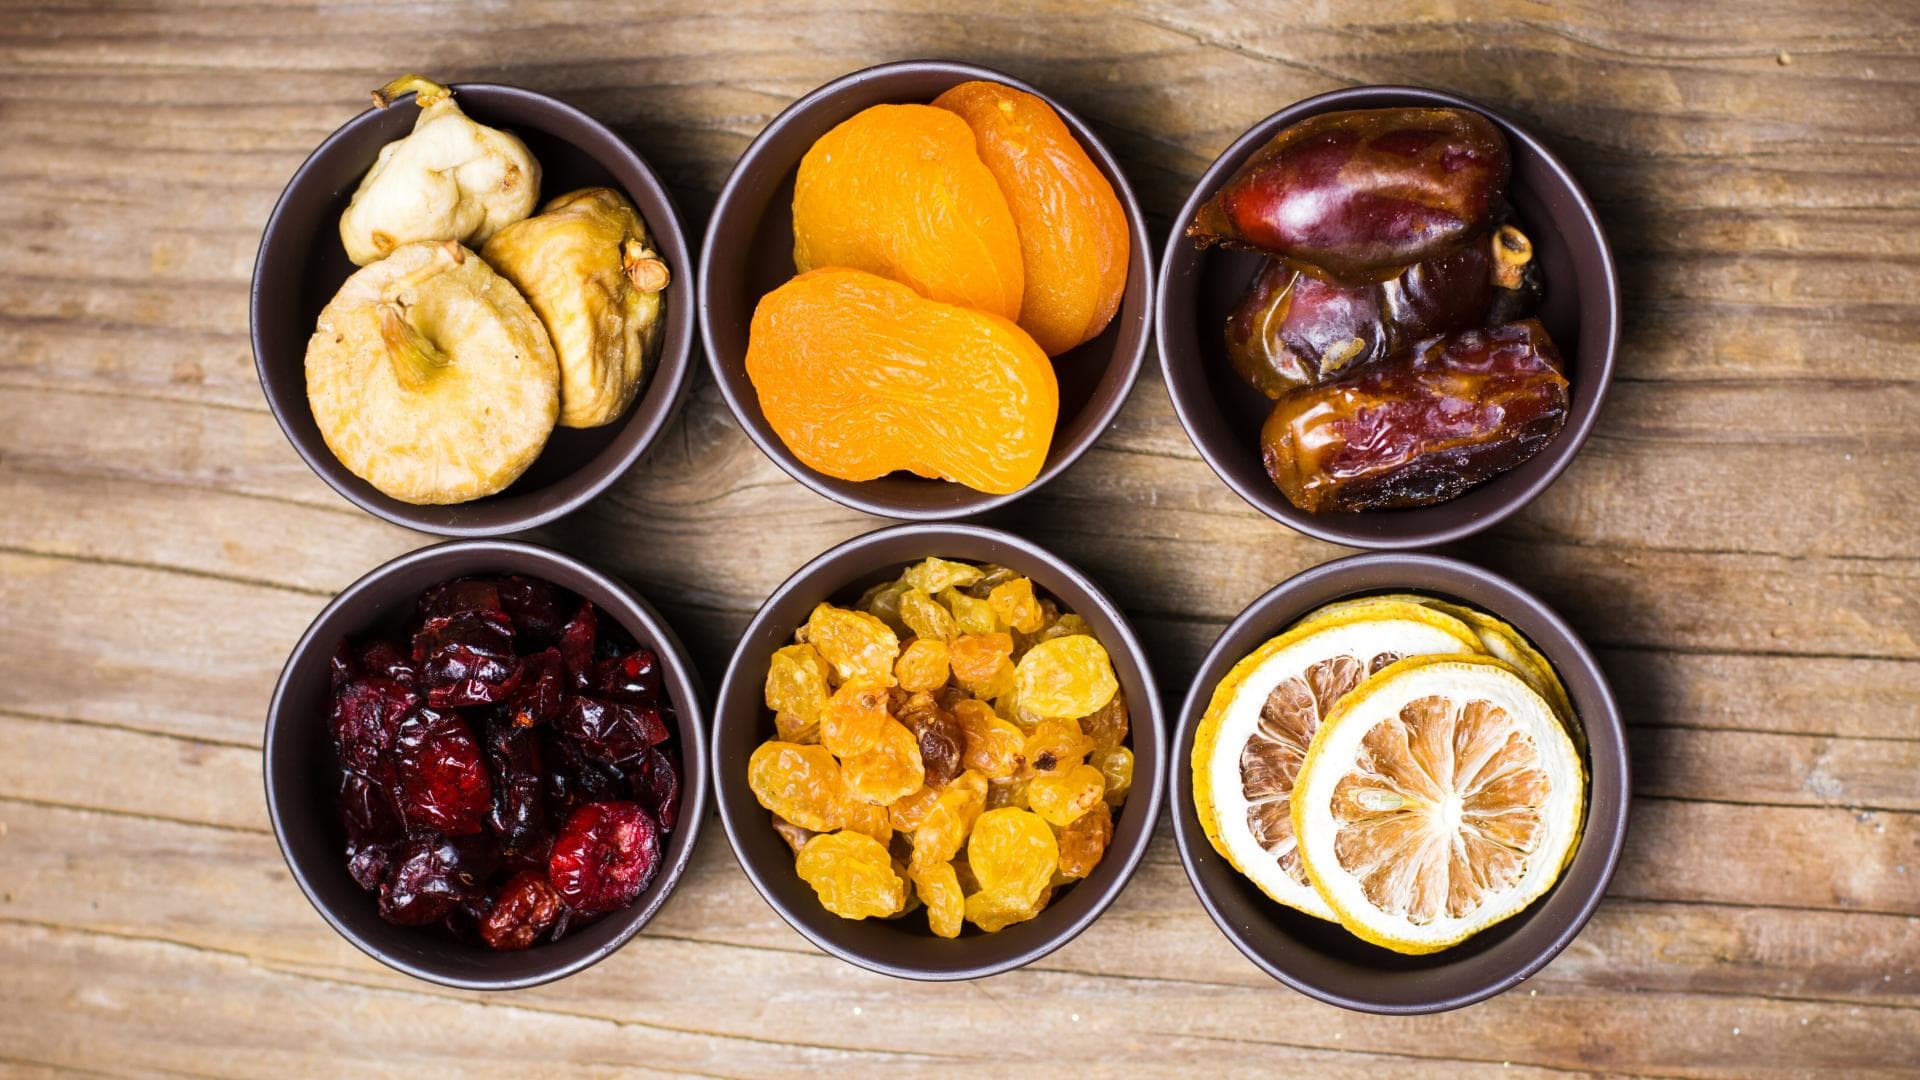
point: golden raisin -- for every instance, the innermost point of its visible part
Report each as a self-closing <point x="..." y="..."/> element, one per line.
<point x="1014" y="604"/>
<point x="889" y="770"/>
<point x="1065" y="626"/>
<point x="1011" y="792"/>
<point x="1062" y="796"/>
<point x="906" y="813"/>
<point x="1116" y="766"/>
<point x="1013" y="850"/>
<point x="858" y="815"/>
<point x="925" y="617"/>
<point x="791" y="728"/>
<point x="939" y="889"/>
<point x="1107" y="725"/>
<point x="922" y="665"/>
<point x="994" y="747"/>
<point x="994" y="910"/>
<point x="976" y="658"/>
<point x="974" y="615"/>
<point x="856" y="717"/>
<point x="946" y="827"/>
<point x="933" y="576"/>
<point x="855" y="643"/>
<point x="852" y="874"/>
<point x="1084" y="842"/>
<point x="1055" y="746"/>
<point x="797" y="682"/>
<point x="800" y="783"/>
<point x="1065" y="677"/>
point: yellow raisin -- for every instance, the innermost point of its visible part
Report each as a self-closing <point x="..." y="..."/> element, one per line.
<point x="1055" y="746"/>
<point x="1084" y="842"/>
<point x="993" y="910"/>
<point x="793" y="729"/>
<point x="889" y="770"/>
<point x="994" y="748"/>
<point x="946" y="827"/>
<point x="858" y="815"/>
<point x="974" y="615"/>
<point x="800" y="783"/>
<point x="926" y="618"/>
<point x="856" y="716"/>
<point x="883" y="603"/>
<point x="797" y="683"/>
<point x="857" y="644"/>
<point x="852" y="874"/>
<point x="1107" y="725"/>
<point x="1008" y="793"/>
<point x="939" y="889"/>
<point x="1066" y="677"/>
<point x="931" y="575"/>
<point x="976" y="658"/>
<point x="1014" y="604"/>
<point x="907" y="812"/>
<point x="1066" y="625"/>
<point x="1116" y="768"/>
<point x="922" y="665"/>
<point x="1014" y="850"/>
<point x="1061" y="797"/>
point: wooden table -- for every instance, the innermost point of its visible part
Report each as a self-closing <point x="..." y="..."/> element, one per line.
<point x="1738" y="540"/>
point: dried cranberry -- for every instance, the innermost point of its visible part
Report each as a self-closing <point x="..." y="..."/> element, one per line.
<point x="367" y="715"/>
<point x="458" y="597"/>
<point x="541" y="690"/>
<point x="535" y="608"/>
<point x="575" y="779"/>
<point x="381" y="657"/>
<point x="605" y="856"/>
<point x="657" y="787"/>
<point x="577" y="640"/>
<point x="525" y="908"/>
<point x="611" y="731"/>
<point x="473" y="688"/>
<point x="372" y="825"/>
<point x="470" y="646"/>
<point x="513" y="755"/>
<point x="430" y="876"/>
<point x="634" y="678"/>
<point x="443" y="784"/>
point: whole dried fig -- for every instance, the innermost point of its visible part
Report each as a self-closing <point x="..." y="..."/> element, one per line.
<point x="449" y="179"/>
<point x="585" y="265"/>
<point x="430" y="377"/>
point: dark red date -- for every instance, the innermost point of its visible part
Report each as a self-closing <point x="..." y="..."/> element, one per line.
<point x="1422" y="427"/>
<point x="1358" y="196"/>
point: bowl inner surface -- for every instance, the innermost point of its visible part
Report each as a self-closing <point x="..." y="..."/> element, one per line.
<point x="906" y="947"/>
<point x="303" y="264"/>
<point x="1321" y="958"/>
<point x="1223" y="414"/>
<point x="750" y="253"/>
<point x="302" y="774"/>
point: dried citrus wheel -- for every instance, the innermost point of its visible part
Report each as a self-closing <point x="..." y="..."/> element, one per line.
<point x="1263" y="715"/>
<point x="1441" y="796"/>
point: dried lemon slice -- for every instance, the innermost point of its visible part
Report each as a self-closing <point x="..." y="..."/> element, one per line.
<point x="1251" y="740"/>
<point x="1440" y="797"/>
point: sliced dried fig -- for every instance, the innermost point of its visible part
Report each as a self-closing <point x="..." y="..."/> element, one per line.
<point x="586" y="266"/>
<point x="449" y="179"/>
<point x="430" y="377"/>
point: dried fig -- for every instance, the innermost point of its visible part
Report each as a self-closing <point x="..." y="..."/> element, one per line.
<point x="430" y="377"/>
<point x="585" y="265"/>
<point x="449" y="179"/>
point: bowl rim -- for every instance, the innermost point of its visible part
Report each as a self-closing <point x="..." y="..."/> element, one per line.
<point x="1269" y="614"/>
<point x="681" y="677"/>
<point x="1565" y="446"/>
<point x="1142" y="254"/>
<point x="1151" y="712"/>
<point x="674" y="363"/>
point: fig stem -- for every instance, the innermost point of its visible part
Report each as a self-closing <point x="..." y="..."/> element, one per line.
<point x="648" y="274"/>
<point x="415" y="359"/>
<point x="1512" y="251"/>
<point x="425" y="91"/>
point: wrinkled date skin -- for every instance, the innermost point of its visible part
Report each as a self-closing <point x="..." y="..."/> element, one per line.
<point x="1422" y="427"/>
<point x="1292" y="329"/>
<point x="1358" y="196"/>
<point x="507" y="763"/>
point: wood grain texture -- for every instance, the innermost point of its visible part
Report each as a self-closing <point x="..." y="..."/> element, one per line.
<point x="1739" y="541"/>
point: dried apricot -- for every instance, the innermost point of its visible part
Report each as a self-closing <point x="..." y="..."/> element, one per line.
<point x="1084" y="842"/>
<point x="1066" y="677"/>
<point x="860" y="376"/>
<point x="900" y="191"/>
<point x="852" y="874"/>
<point x="939" y="888"/>
<point x="1074" y="243"/>
<point x="1013" y="849"/>
<point x="854" y="642"/>
<point x="889" y="770"/>
<point x="800" y="783"/>
<point x="855" y="718"/>
<point x="1063" y="795"/>
<point x="922" y="665"/>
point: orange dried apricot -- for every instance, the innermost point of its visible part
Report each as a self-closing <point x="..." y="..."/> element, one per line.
<point x="860" y="376"/>
<point x="900" y="191"/>
<point x="1074" y="243"/>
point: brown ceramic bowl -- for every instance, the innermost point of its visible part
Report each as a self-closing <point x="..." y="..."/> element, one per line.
<point x="749" y="253"/>
<point x="1321" y="959"/>
<point x="905" y="947"/>
<point x="301" y="265"/>
<point x="302" y="771"/>
<point x="1222" y="414"/>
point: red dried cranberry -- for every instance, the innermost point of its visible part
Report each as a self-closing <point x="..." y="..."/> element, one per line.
<point x="535" y="608"/>
<point x="472" y="689"/>
<point x="367" y="715"/>
<point x="443" y="784"/>
<point x="467" y="645"/>
<point x="604" y="857"/>
<point x="577" y="640"/>
<point x="634" y="678"/>
<point x="541" y="689"/>
<point x="573" y="778"/>
<point x="457" y="597"/>
<point x="430" y="876"/>
<point x="381" y="657"/>
<point x="513" y="755"/>
<point x="657" y="787"/>
<point x="611" y="731"/>
<point x="525" y="908"/>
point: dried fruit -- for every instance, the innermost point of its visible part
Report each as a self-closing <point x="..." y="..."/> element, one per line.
<point x="1421" y="428"/>
<point x="1054" y="745"/>
<point x="604" y="857"/>
<point x="1074" y="243"/>
<point x="852" y="874"/>
<point x="448" y="179"/>
<point x="994" y="747"/>
<point x="977" y="658"/>
<point x="1107" y="725"/>
<point x="900" y="191"/>
<point x="938" y="887"/>
<point x="795" y="836"/>
<point x="585" y="265"/>
<point x="973" y="614"/>
<point x="797" y="684"/>
<point x="430" y="875"/>
<point x="889" y="770"/>
<point x="909" y="812"/>
<point x="941" y="739"/>
<point x="868" y="819"/>
<point x="1014" y="604"/>
<point x="993" y="910"/>
<point x="800" y="783"/>
<point x="430" y="378"/>
<point x="946" y="826"/>
<point x="924" y="617"/>
<point x="922" y="665"/>
<point x="526" y="907"/>
<point x="856" y="717"/>
<point x="858" y="645"/>
<point x="1357" y="196"/>
<point x="860" y="376"/>
<point x="1013" y="851"/>
<point x="443" y="784"/>
<point x="1065" y="677"/>
<point x="933" y="575"/>
<point x="1084" y="842"/>
<point x="1065" y="794"/>
<point x="1116" y="766"/>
